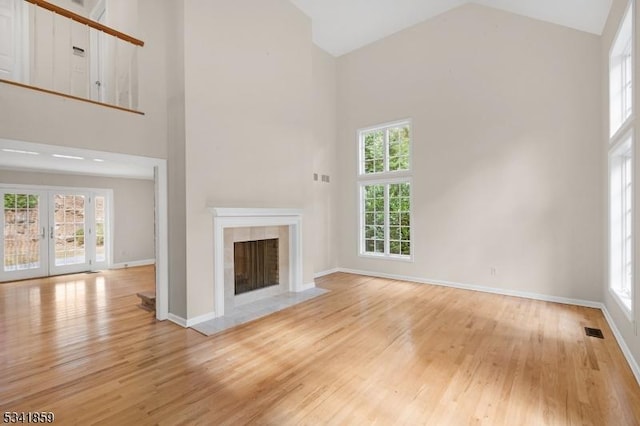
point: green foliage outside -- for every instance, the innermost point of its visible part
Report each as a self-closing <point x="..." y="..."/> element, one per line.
<point x="399" y="218"/>
<point x="20" y="201"/>
<point x="375" y="150"/>
<point x="99" y="235"/>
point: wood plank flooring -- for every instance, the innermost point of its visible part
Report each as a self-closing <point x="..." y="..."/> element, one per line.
<point x="371" y="351"/>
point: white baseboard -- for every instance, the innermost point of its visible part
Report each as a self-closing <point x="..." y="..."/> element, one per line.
<point x="133" y="263"/>
<point x="178" y="320"/>
<point x="623" y="345"/>
<point x="327" y="272"/>
<point x="307" y="286"/>
<point x="192" y="321"/>
<point x="477" y="287"/>
<point x="202" y="318"/>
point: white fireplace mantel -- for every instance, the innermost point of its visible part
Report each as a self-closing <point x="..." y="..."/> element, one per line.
<point x="246" y="212"/>
<point x="226" y="217"/>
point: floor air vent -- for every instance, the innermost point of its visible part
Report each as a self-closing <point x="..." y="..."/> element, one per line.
<point x="594" y="332"/>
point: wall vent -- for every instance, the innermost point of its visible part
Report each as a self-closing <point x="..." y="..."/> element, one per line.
<point x="594" y="332"/>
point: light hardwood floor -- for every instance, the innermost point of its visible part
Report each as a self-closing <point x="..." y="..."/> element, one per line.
<point x="372" y="351"/>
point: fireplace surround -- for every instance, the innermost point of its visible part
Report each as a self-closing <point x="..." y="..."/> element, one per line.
<point x="225" y="218"/>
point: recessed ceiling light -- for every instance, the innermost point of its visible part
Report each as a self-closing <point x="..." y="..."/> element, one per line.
<point x="19" y="151"/>
<point x="98" y="160"/>
<point x="71" y="157"/>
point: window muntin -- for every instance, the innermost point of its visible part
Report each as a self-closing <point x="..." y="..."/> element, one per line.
<point x="386" y="219"/>
<point x="621" y="75"/>
<point x="385" y="149"/>
<point x="374" y="218"/>
<point x="399" y="218"/>
<point x="621" y="223"/>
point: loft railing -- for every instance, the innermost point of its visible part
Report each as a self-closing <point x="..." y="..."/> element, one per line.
<point x="55" y="50"/>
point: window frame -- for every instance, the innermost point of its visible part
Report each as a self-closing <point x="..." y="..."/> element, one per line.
<point x="618" y="54"/>
<point x="385" y="178"/>
<point x="617" y="151"/>
<point x="384" y="126"/>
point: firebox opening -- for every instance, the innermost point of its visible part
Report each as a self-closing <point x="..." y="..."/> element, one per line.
<point x="255" y="265"/>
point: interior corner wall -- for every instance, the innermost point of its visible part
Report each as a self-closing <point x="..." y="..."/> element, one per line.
<point x="324" y="158"/>
<point x="133" y="202"/>
<point x="176" y="159"/>
<point x="506" y="150"/>
<point x="627" y="328"/>
<point x="248" y="83"/>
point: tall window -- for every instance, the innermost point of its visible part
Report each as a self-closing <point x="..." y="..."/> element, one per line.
<point x="621" y="221"/>
<point x="621" y="164"/>
<point x="621" y="74"/>
<point x="385" y="190"/>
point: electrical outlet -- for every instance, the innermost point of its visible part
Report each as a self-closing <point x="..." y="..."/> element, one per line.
<point x="493" y="271"/>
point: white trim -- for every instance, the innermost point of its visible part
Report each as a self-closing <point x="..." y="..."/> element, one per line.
<point x="327" y="272"/>
<point x="307" y="286"/>
<point x="633" y="364"/>
<point x="178" y="320"/>
<point x="186" y="323"/>
<point x="626" y="123"/>
<point x="625" y="143"/>
<point x="199" y="319"/>
<point x="621" y="304"/>
<point x="388" y="124"/>
<point x="252" y="212"/>
<point x="162" y="239"/>
<point x="477" y="287"/>
<point x="133" y="263"/>
<point x="361" y="220"/>
<point x="385" y="173"/>
<point x="224" y="217"/>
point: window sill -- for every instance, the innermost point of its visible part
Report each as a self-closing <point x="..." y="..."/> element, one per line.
<point x="408" y="259"/>
<point x="624" y="303"/>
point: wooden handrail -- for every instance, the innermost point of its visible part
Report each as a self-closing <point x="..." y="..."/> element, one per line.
<point x="64" y="95"/>
<point x="86" y="21"/>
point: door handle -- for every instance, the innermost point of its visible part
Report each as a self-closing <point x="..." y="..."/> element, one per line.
<point x="51" y="233"/>
<point x="42" y="234"/>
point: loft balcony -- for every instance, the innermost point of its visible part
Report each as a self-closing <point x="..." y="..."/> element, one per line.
<point x="69" y="48"/>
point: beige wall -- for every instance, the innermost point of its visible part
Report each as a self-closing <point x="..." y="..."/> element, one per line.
<point x="627" y="328"/>
<point x="248" y="132"/>
<point x="506" y="150"/>
<point x="133" y="202"/>
<point x="324" y="161"/>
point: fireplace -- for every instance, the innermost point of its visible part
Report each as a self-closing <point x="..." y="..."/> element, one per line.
<point x="231" y="225"/>
<point x="255" y="265"/>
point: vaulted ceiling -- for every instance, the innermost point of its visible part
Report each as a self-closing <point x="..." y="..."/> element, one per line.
<point x="340" y="26"/>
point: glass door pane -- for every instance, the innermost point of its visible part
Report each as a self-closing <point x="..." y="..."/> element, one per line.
<point x="22" y="246"/>
<point x="68" y="223"/>
<point x="100" y="223"/>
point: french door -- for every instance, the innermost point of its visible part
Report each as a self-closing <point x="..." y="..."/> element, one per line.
<point x="51" y="233"/>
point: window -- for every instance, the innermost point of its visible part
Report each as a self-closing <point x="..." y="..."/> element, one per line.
<point x="621" y="164"/>
<point x="385" y="190"/>
<point x="621" y="222"/>
<point x="621" y="75"/>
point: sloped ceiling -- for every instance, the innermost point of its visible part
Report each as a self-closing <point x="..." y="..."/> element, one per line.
<point x="340" y="26"/>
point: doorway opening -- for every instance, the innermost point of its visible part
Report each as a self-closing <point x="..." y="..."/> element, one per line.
<point x="53" y="231"/>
